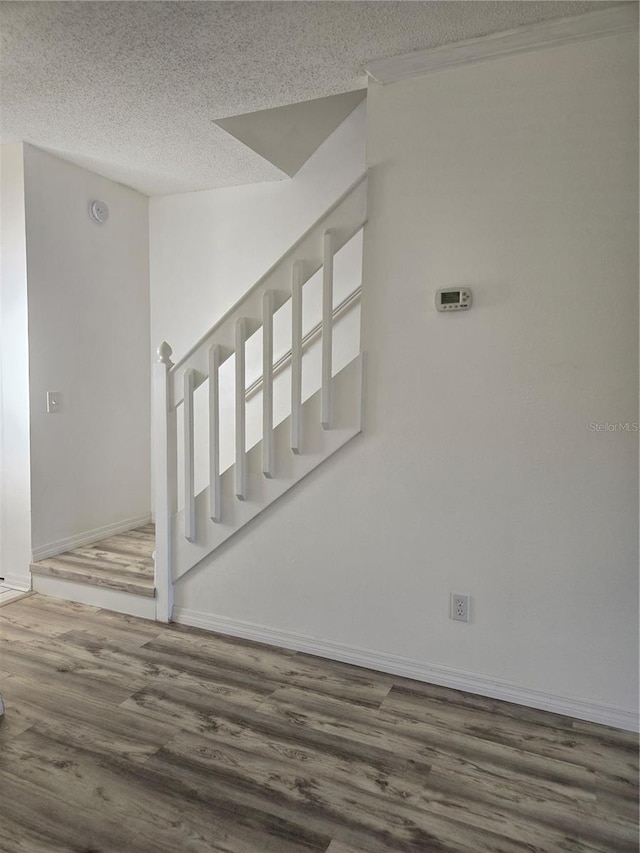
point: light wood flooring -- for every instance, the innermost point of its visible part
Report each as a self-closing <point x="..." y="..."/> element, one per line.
<point x="121" y="562"/>
<point x="125" y="735"/>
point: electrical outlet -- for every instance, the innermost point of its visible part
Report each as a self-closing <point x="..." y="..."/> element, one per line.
<point x="460" y="607"/>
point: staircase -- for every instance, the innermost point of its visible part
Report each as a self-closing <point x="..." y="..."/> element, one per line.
<point x="191" y="523"/>
<point x="117" y="573"/>
<point x="266" y="457"/>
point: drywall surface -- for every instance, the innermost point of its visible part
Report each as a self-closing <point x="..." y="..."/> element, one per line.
<point x="15" y="499"/>
<point x="208" y="248"/>
<point x="482" y="468"/>
<point x="89" y="340"/>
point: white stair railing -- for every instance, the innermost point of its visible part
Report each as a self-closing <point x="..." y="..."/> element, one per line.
<point x="184" y="538"/>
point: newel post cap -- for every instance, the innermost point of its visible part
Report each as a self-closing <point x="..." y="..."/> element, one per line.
<point x="164" y="354"/>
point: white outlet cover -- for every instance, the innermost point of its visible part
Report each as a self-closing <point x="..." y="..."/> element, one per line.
<point x="460" y="607"/>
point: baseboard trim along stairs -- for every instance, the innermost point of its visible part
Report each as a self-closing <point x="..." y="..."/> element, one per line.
<point x="89" y="537"/>
<point x="432" y="673"/>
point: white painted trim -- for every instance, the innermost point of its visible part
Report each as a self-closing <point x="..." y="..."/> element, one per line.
<point x="523" y="39"/>
<point x="51" y="549"/>
<point x="8" y="595"/>
<point x="21" y="582"/>
<point x="433" y="673"/>
<point x="117" y="600"/>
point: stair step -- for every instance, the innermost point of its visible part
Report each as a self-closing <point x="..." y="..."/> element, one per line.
<point x="123" y="562"/>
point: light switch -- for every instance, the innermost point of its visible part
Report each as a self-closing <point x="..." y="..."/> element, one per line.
<point x="54" y="402"/>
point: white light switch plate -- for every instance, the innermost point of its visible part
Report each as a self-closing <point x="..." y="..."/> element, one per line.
<point x="54" y="402"/>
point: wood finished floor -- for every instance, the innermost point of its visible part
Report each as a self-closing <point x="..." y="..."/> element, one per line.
<point x="123" y="562"/>
<point x="124" y="735"/>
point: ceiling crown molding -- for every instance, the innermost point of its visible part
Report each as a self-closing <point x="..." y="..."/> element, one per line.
<point x="523" y="39"/>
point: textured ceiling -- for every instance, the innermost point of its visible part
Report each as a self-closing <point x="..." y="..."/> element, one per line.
<point x="287" y="136"/>
<point x="132" y="89"/>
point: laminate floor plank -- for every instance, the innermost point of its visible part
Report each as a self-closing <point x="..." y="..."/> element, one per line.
<point x="16" y="719"/>
<point x="101" y="562"/>
<point x="436" y="694"/>
<point x="574" y="748"/>
<point x="56" y="826"/>
<point x="585" y="821"/>
<point x="26" y="617"/>
<point x="361" y="688"/>
<point x="412" y="738"/>
<point x="127" y="736"/>
<point x="291" y="798"/>
<point x="52" y="669"/>
<point x="86" y="723"/>
<point x="157" y="665"/>
<point x="110" y="805"/>
<point x="235" y="720"/>
<point x="146" y="533"/>
<point x="507" y="795"/>
<point x="357" y="770"/>
<point x="193" y="638"/>
<point x="123" y="544"/>
<point x="83" y="572"/>
<point x="54" y="617"/>
<point x="411" y="820"/>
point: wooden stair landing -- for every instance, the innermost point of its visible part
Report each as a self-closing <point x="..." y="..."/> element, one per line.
<point x="122" y="562"/>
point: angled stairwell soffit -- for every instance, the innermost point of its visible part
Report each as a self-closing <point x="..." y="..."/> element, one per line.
<point x="287" y="136"/>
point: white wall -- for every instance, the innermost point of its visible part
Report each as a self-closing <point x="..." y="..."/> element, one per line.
<point x="15" y="498"/>
<point x="208" y="248"/>
<point x="89" y="340"/>
<point x="478" y="471"/>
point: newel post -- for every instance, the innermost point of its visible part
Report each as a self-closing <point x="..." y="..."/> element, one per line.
<point x="164" y="478"/>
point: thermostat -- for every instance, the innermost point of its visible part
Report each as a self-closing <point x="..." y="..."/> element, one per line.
<point x="453" y="300"/>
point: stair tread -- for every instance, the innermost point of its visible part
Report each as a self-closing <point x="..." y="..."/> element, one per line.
<point x="100" y="555"/>
<point x="65" y="561"/>
<point x="123" y="545"/>
<point x="122" y="562"/>
<point x="109" y="582"/>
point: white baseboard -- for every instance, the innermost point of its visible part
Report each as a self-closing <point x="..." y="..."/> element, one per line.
<point x="51" y="549"/>
<point x="433" y="673"/>
<point x="21" y="582"/>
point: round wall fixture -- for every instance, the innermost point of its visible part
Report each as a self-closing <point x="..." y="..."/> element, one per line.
<point x="99" y="211"/>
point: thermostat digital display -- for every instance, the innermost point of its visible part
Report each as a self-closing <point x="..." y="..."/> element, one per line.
<point x="453" y="300"/>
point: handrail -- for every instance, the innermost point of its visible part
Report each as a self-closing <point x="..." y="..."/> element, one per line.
<point x="226" y="505"/>
<point x="256" y="287"/>
<point x="343" y="220"/>
<point x="312" y="335"/>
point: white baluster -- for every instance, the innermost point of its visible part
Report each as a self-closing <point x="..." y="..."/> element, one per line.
<point x="327" y="327"/>
<point x="267" y="383"/>
<point x="296" y="356"/>
<point x="241" y="458"/>
<point x="189" y="457"/>
<point x="164" y="446"/>
<point x="215" y="494"/>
